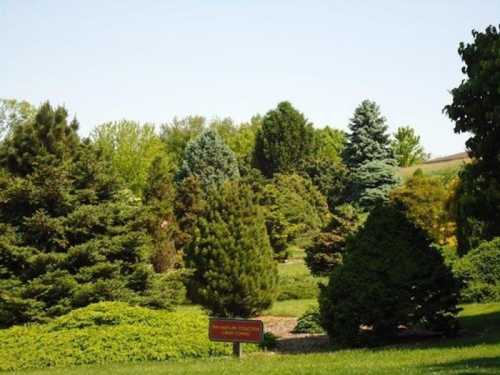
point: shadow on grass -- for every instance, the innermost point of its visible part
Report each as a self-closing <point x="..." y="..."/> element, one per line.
<point x="477" y="329"/>
<point x="487" y="365"/>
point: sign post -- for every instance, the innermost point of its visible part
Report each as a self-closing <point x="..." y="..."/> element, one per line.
<point x="236" y="331"/>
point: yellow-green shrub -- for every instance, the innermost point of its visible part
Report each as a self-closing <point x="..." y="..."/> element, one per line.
<point x="109" y="332"/>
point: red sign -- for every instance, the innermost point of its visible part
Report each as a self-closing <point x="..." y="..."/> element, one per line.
<point x="236" y="330"/>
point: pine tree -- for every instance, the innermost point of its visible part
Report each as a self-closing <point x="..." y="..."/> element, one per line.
<point x="372" y="182"/>
<point x="284" y="142"/>
<point x="234" y="271"/>
<point x="48" y="136"/>
<point x="295" y="212"/>
<point x="368" y="139"/>
<point x="70" y="235"/>
<point x="391" y="276"/>
<point x="208" y="159"/>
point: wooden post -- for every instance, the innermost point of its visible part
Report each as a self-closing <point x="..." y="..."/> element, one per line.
<point x="237" y="349"/>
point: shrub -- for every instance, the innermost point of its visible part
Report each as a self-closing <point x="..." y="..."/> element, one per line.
<point x="391" y="276"/>
<point x="309" y="322"/>
<point x="480" y="271"/>
<point x="109" y="332"/>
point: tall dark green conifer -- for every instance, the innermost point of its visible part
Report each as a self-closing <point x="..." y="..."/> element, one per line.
<point x="284" y="142"/>
<point x="69" y="234"/>
<point x="234" y="271"/>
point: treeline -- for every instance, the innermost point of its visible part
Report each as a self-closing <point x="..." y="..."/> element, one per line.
<point x="141" y="215"/>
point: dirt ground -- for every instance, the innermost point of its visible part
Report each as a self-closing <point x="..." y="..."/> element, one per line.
<point x="289" y="342"/>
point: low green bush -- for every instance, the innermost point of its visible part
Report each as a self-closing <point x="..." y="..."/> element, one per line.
<point x="110" y="332"/>
<point x="297" y="287"/>
<point x="479" y="271"/>
<point x="309" y="322"/>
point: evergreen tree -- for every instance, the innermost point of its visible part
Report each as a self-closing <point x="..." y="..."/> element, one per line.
<point x="371" y="183"/>
<point x="234" y="274"/>
<point x="69" y="234"/>
<point x="295" y="212"/>
<point x="368" y="139"/>
<point x="284" y="142"/>
<point x="159" y="218"/>
<point x="328" y="248"/>
<point x="391" y="276"/>
<point x="48" y="136"/>
<point x="209" y="159"/>
<point x="369" y="157"/>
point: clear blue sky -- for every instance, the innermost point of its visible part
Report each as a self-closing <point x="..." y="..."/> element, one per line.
<point x="152" y="60"/>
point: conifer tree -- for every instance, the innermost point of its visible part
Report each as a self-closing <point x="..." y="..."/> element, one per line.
<point x="369" y="156"/>
<point x="234" y="274"/>
<point x="368" y="139"/>
<point x="208" y="159"/>
<point x="327" y="249"/>
<point x="48" y="136"/>
<point x="284" y="142"/>
<point x="391" y="276"/>
<point x="70" y="235"/>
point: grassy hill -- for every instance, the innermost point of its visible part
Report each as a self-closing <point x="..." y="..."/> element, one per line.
<point x="447" y="165"/>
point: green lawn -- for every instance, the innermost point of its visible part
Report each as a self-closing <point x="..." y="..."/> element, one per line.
<point x="291" y="308"/>
<point x="476" y="353"/>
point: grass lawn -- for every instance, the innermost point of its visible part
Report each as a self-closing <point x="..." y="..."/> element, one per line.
<point x="477" y="353"/>
<point x="291" y="308"/>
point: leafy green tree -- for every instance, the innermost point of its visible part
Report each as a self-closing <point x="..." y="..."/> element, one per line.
<point x="48" y="136"/>
<point x="70" y="235"/>
<point x="295" y="212"/>
<point x="426" y="201"/>
<point x="390" y="276"/>
<point x="284" y="142"/>
<point x="329" y="144"/>
<point x="372" y="182"/>
<point x="13" y="113"/>
<point x="209" y="159"/>
<point x="234" y="274"/>
<point x="327" y="249"/>
<point x="131" y="148"/>
<point x="179" y="132"/>
<point x="368" y="139"/>
<point x="476" y="207"/>
<point x="240" y="138"/>
<point x="475" y="109"/>
<point x="407" y="148"/>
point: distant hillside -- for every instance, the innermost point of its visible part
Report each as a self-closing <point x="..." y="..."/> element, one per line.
<point x="445" y="165"/>
<point x="460" y="156"/>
